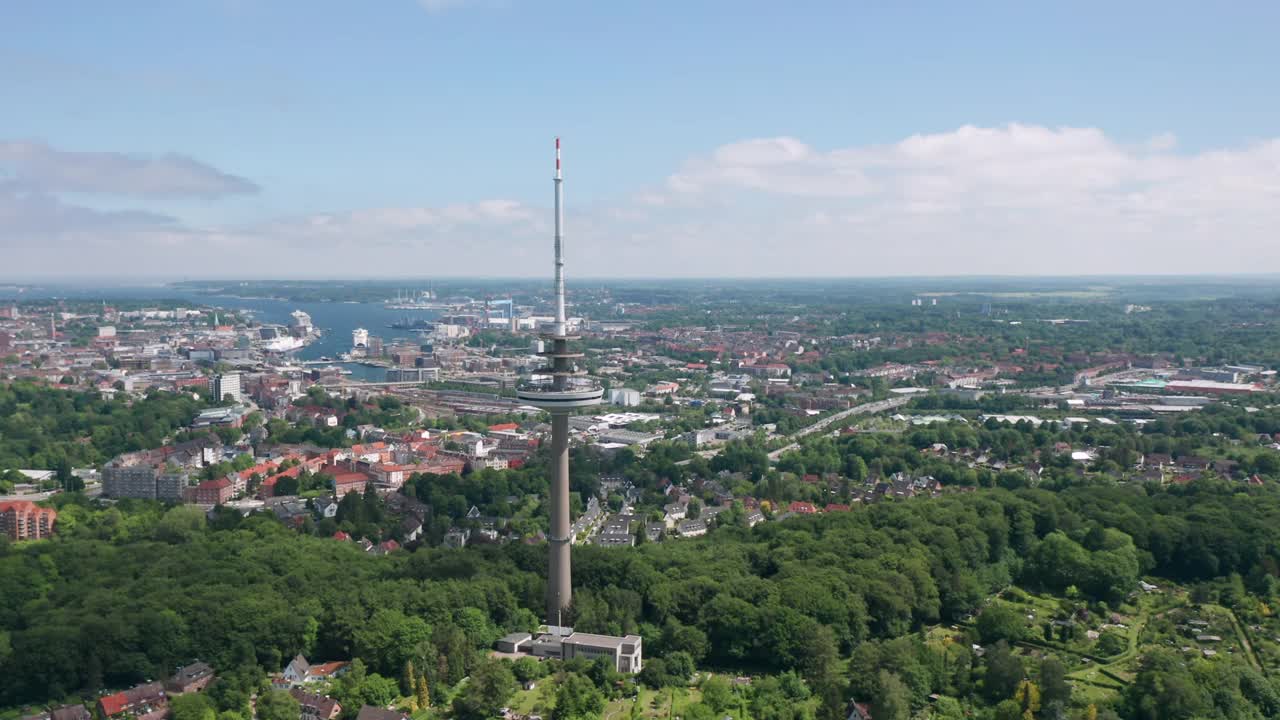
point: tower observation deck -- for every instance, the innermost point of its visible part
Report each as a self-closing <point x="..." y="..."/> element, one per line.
<point x="566" y="390"/>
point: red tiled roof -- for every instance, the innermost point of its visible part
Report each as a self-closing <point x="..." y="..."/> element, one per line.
<point x="260" y="469"/>
<point x="326" y="669"/>
<point x="113" y="704"/>
<point x="23" y="506"/>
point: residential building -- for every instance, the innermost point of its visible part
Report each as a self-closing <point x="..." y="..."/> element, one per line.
<point x="190" y="678"/>
<point x="224" y="385"/>
<point x="692" y="528"/>
<point x="345" y="481"/>
<point x="143" y="702"/>
<point x="65" y="712"/>
<point x="389" y="475"/>
<point x="214" y="492"/>
<point x="300" y="672"/>
<point x="662" y="388"/>
<point x="457" y="537"/>
<point x="368" y="712"/>
<point x="315" y="707"/>
<point x="611" y="537"/>
<point x="159" y="474"/>
<point x="324" y="672"/>
<point x="24" y="520"/>
<point x="295" y="673"/>
<point x="137" y="476"/>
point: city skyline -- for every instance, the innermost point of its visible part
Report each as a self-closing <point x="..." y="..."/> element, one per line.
<point x="838" y="142"/>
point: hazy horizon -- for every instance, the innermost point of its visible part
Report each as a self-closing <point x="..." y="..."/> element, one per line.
<point x="412" y="282"/>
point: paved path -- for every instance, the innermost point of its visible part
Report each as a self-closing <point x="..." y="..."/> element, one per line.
<point x="1244" y="640"/>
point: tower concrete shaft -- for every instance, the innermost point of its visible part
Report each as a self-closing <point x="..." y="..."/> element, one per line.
<point x="560" y="570"/>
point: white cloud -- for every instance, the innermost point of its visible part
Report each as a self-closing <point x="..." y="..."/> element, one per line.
<point x="1019" y="199"/>
<point x="1013" y="199"/>
<point x="37" y="167"/>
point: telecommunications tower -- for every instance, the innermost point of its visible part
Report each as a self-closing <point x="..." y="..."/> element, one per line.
<point x="564" y="390"/>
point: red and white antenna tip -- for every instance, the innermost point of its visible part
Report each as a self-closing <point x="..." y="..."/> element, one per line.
<point x="557" y="156"/>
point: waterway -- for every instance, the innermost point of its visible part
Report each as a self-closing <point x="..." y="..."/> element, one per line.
<point x="335" y="320"/>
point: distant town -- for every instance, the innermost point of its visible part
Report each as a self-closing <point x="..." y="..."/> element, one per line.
<point x="437" y="443"/>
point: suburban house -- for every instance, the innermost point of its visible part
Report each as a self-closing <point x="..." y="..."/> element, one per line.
<point x="142" y="702"/>
<point x="300" y="672"/>
<point x="190" y="678"/>
<point x="692" y="528"/>
<point x="368" y="712"/>
<point x="315" y="707"/>
<point x="66" y="712"/>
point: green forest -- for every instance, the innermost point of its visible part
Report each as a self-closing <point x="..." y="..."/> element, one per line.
<point x="42" y="427"/>
<point x="847" y="605"/>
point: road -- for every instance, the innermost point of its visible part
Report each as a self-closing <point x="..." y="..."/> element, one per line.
<point x="91" y="491"/>
<point x="872" y="407"/>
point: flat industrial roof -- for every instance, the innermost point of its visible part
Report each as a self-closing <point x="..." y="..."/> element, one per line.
<point x="579" y="638"/>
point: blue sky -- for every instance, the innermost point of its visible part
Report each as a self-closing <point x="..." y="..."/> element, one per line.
<point x="341" y="109"/>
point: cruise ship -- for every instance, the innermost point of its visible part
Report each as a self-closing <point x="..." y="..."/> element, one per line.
<point x="283" y="343"/>
<point x="273" y="338"/>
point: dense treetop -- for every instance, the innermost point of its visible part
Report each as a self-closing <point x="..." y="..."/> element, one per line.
<point x="141" y="588"/>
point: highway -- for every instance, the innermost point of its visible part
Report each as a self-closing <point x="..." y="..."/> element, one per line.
<point x="872" y="407"/>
